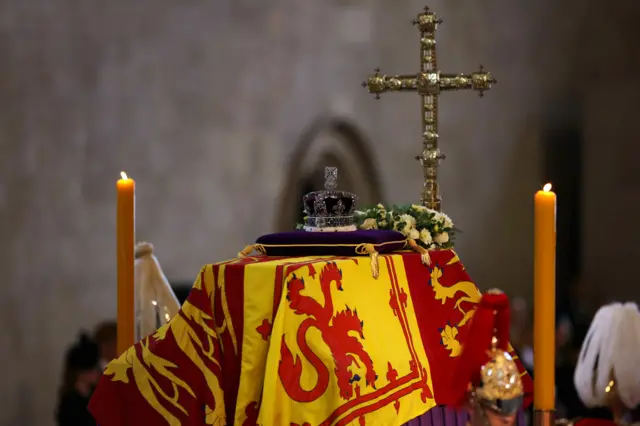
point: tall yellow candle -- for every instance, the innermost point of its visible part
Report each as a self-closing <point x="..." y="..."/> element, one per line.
<point x="544" y="300"/>
<point x="125" y="254"/>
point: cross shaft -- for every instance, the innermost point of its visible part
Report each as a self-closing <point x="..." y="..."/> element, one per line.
<point x="429" y="83"/>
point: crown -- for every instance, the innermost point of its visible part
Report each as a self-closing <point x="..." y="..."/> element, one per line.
<point x="330" y="208"/>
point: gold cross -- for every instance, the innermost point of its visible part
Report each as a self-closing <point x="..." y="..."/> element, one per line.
<point x="428" y="83"/>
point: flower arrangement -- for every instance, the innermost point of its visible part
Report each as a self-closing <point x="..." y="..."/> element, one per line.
<point x="428" y="228"/>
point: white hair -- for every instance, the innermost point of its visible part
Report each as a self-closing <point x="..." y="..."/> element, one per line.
<point x="611" y="347"/>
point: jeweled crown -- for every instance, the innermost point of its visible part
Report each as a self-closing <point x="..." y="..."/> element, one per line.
<point x="330" y="208"/>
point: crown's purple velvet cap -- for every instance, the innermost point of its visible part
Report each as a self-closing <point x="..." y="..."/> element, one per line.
<point x="301" y="243"/>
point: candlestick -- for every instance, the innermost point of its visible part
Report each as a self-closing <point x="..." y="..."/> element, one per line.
<point x="126" y="206"/>
<point x="544" y="301"/>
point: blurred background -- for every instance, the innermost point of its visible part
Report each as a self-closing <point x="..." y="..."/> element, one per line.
<point x="226" y="112"/>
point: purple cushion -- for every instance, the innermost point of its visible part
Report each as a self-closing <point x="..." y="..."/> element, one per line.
<point x="301" y="243"/>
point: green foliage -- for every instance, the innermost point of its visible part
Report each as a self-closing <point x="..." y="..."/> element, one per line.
<point x="429" y="228"/>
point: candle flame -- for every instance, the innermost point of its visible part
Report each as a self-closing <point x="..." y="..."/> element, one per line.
<point x="546" y="187"/>
<point x="124" y="176"/>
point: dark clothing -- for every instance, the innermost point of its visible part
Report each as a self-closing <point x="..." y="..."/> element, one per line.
<point x="569" y="398"/>
<point x="599" y="413"/>
<point x="84" y="355"/>
<point x="73" y="411"/>
<point x="567" y="394"/>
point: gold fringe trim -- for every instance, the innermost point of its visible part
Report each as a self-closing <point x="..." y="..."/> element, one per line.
<point x="424" y="254"/>
<point x="246" y="252"/>
<point x="370" y="249"/>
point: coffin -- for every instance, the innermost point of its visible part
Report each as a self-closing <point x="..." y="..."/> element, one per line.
<point x="302" y="341"/>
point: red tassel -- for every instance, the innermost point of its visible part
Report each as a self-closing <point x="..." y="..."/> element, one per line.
<point x="490" y="319"/>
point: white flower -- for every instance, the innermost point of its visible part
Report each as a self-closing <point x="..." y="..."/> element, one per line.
<point x="409" y="223"/>
<point x="369" y="224"/>
<point x="380" y="206"/>
<point x="414" y="234"/>
<point x="409" y="220"/>
<point x="383" y="223"/>
<point x="442" y="219"/>
<point x="419" y="208"/>
<point x="425" y="237"/>
<point x="441" y="238"/>
<point x="448" y="223"/>
<point x="360" y="213"/>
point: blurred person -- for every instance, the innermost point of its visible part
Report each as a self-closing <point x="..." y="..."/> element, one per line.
<point x="522" y="336"/>
<point x="81" y="375"/>
<point x="580" y="306"/>
<point x="569" y="403"/>
<point x="106" y="337"/>
<point x="564" y="333"/>
<point x="526" y="349"/>
<point x="519" y="320"/>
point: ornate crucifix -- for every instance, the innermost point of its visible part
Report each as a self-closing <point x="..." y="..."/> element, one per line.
<point x="428" y="83"/>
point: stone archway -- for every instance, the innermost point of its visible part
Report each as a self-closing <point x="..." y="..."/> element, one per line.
<point x="329" y="142"/>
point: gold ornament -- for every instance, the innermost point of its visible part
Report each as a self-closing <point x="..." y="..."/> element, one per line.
<point x="429" y="82"/>
<point x="499" y="396"/>
<point x="500" y="382"/>
<point x="500" y="393"/>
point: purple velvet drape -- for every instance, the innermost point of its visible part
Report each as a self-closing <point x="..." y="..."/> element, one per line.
<point x="445" y="416"/>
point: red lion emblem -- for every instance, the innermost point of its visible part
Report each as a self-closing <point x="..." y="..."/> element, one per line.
<point x="335" y="333"/>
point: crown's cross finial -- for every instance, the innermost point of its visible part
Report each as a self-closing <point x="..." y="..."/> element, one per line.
<point x="330" y="178"/>
<point x="429" y="82"/>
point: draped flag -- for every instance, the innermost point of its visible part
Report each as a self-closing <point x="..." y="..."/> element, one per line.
<point x="302" y="341"/>
<point x="360" y="342"/>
